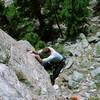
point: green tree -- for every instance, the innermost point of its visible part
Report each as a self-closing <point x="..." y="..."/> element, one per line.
<point x="34" y="39"/>
<point x="16" y="22"/>
<point x="9" y="20"/>
<point x="18" y="17"/>
<point x="75" y="14"/>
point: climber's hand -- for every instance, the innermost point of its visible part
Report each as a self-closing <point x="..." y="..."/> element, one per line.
<point x="38" y="58"/>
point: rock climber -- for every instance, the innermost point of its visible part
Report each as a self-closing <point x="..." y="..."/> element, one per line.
<point x="51" y="57"/>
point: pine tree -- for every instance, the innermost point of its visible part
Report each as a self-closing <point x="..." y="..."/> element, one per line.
<point x="17" y="21"/>
<point x="74" y="13"/>
<point x="18" y="18"/>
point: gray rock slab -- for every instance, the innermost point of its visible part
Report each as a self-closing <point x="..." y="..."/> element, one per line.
<point x="77" y="76"/>
<point x="95" y="72"/>
<point x="26" y="68"/>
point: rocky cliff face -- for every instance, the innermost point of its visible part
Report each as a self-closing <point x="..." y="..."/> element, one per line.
<point x="21" y="76"/>
<point x="81" y="74"/>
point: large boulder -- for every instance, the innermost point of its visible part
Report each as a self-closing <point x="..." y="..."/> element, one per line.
<point x="76" y="49"/>
<point x="26" y="45"/>
<point x="11" y="88"/>
<point x="29" y="77"/>
<point x="76" y="76"/>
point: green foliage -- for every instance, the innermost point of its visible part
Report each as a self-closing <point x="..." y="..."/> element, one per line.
<point x="40" y="44"/>
<point x="10" y="12"/>
<point x="17" y="19"/>
<point x="34" y="39"/>
<point x="74" y="13"/>
<point x="1" y="6"/>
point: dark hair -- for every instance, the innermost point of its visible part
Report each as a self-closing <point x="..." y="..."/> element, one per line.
<point x="46" y="50"/>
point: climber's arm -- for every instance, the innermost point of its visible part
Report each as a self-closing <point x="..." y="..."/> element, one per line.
<point x="39" y="59"/>
<point x="35" y="52"/>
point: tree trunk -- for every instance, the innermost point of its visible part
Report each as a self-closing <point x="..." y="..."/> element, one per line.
<point x="56" y="19"/>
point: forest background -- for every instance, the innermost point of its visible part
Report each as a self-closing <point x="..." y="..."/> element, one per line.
<point x="34" y="20"/>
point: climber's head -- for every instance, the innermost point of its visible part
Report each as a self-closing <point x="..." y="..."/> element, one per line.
<point x="46" y="52"/>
